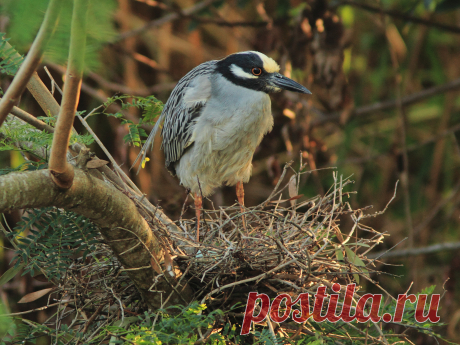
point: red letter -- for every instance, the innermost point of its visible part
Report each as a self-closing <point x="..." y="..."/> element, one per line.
<point x="304" y="307"/>
<point x="432" y="312"/>
<point x="331" y="309"/>
<point x="400" y="306"/>
<point x="332" y="306"/>
<point x="249" y="313"/>
<point x="345" y="314"/>
<point x="319" y="298"/>
<point x="275" y="308"/>
<point x="374" y="313"/>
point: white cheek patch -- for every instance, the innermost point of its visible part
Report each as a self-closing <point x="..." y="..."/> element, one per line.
<point x="238" y="72"/>
<point x="270" y="66"/>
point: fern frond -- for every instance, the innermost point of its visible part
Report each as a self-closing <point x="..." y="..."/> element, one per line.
<point x="151" y="109"/>
<point x="10" y="59"/>
<point x="55" y="238"/>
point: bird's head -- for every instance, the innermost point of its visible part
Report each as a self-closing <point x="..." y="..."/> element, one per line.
<point x="256" y="71"/>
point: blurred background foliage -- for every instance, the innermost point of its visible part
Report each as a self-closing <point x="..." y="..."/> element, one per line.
<point x="385" y="78"/>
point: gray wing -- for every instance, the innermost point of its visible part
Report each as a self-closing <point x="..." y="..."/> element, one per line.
<point x="180" y="113"/>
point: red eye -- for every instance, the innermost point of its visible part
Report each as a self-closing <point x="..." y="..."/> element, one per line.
<point x="256" y="71"/>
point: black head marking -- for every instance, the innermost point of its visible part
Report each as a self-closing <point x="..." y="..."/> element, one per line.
<point x="238" y="69"/>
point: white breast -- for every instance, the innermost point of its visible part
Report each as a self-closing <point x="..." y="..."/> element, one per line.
<point x="226" y="135"/>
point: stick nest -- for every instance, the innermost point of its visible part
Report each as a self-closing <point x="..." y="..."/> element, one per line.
<point x="286" y="246"/>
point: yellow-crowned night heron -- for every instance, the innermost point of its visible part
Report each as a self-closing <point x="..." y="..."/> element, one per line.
<point x="214" y="119"/>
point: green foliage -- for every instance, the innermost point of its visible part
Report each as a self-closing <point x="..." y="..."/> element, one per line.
<point x="20" y="333"/>
<point x="24" y="133"/>
<point x="150" y="107"/>
<point x="169" y="328"/>
<point x="180" y="328"/>
<point x="7" y="326"/>
<point x="100" y="27"/>
<point x="26" y="166"/>
<point x="55" y="237"/>
<point x="10" y="60"/>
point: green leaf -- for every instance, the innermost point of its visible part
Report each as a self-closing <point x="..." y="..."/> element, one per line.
<point x="355" y="260"/>
<point x="11" y="273"/>
<point x="339" y="254"/>
<point x="11" y="60"/>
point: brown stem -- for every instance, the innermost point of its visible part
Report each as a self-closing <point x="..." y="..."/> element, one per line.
<point x="31" y="61"/>
<point x="59" y="167"/>
<point x="61" y="170"/>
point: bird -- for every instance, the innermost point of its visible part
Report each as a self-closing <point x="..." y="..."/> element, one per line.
<point x="215" y="118"/>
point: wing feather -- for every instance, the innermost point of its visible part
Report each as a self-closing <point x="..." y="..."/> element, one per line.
<point x="180" y="113"/>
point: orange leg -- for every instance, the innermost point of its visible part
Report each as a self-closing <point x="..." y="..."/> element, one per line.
<point x="198" y="205"/>
<point x="240" y="195"/>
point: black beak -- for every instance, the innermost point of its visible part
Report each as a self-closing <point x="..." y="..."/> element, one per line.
<point x="285" y="83"/>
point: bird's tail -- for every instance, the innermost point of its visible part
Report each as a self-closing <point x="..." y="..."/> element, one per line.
<point x="148" y="145"/>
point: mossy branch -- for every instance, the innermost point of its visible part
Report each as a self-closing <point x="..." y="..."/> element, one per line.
<point x="31" y="61"/>
<point x="115" y="213"/>
<point x="61" y="170"/>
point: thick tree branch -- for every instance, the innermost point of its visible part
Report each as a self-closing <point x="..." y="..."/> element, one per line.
<point x="117" y="216"/>
<point x="31" y="61"/>
<point x="61" y="170"/>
